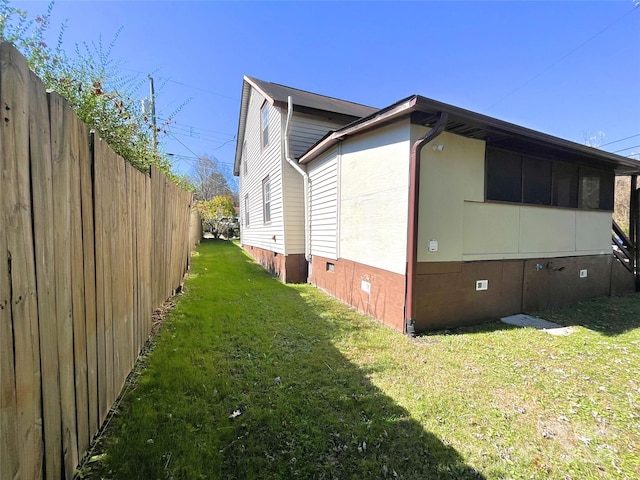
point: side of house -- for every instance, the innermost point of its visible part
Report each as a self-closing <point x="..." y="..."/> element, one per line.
<point x="271" y="193"/>
<point x="421" y="214"/>
<point x="507" y="219"/>
<point x="359" y="221"/>
<point x="534" y="231"/>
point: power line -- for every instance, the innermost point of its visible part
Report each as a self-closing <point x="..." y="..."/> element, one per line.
<point x="563" y="57"/>
<point x="201" y="89"/>
<point x="616" y="141"/>
<point x="200" y="137"/>
<point x="167" y="79"/>
<point x="194" y="153"/>
<point x="625" y="149"/>
<point x="190" y="158"/>
<point x="193" y="161"/>
<point x="181" y="143"/>
<point x="183" y="126"/>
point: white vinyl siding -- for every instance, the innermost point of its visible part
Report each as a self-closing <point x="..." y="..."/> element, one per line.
<point x="286" y="186"/>
<point x="264" y="162"/>
<point x="293" y="185"/>
<point x="306" y="130"/>
<point x="323" y="177"/>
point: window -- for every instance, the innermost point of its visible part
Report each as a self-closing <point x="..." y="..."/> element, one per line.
<point x="512" y="177"/>
<point x="536" y="181"/>
<point x="246" y="210"/>
<point x="565" y="185"/>
<point x="596" y="189"/>
<point x="245" y="169"/>
<point x="504" y="176"/>
<point x="264" y="124"/>
<point x="266" y="200"/>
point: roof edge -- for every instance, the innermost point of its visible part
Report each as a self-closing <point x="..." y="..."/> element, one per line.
<point x="376" y="119"/>
<point x="242" y="121"/>
<point x="623" y="165"/>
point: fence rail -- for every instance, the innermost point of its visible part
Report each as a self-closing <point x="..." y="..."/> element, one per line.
<point x="89" y="247"/>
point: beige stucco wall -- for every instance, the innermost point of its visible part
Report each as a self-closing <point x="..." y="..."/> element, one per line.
<point x="495" y="231"/>
<point x="374" y="183"/>
<point x="447" y="179"/>
<point x="452" y="212"/>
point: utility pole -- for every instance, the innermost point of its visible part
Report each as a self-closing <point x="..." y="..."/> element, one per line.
<point x="153" y="115"/>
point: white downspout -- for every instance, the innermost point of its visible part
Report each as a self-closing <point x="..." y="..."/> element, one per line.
<point x="305" y="176"/>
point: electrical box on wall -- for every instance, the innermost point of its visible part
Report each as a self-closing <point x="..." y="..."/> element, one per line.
<point x="583" y="273"/>
<point x="433" y="246"/>
<point x="482" y="285"/>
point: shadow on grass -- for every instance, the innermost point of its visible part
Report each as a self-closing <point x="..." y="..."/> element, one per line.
<point x="609" y="316"/>
<point x="246" y="382"/>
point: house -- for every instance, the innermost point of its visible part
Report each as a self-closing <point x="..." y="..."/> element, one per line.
<point x="425" y="215"/>
<point x="272" y="190"/>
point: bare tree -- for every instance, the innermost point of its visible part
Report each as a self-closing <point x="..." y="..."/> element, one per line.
<point x="209" y="180"/>
<point x="622" y="200"/>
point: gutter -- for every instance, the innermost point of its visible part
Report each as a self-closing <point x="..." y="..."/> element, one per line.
<point x="301" y="171"/>
<point x="375" y="120"/>
<point x="412" y="240"/>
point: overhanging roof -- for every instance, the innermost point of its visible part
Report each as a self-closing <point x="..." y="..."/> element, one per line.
<point x="498" y="133"/>
<point x="303" y="102"/>
<point x="278" y="94"/>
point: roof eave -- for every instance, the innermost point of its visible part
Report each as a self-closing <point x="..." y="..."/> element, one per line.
<point x="632" y="166"/>
<point x="244" y="108"/>
<point x="379" y="118"/>
<point x="621" y="165"/>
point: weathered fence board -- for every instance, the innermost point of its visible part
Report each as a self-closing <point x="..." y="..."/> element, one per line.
<point x="16" y="188"/>
<point x="77" y="283"/>
<point x="9" y="461"/>
<point x="40" y="135"/>
<point x="88" y="242"/>
<point x="61" y="173"/>
<point x="89" y="247"/>
<point x="101" y="277"/>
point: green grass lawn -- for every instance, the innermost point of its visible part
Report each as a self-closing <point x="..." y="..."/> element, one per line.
<point x="252" y="379"/>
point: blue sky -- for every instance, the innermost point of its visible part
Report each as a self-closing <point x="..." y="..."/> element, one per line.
<point x="570" y="69"/>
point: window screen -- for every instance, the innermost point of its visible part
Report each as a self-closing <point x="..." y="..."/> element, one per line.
<point x="504" y="176"/>
<point x="519" y="178"/>
<point x="565" y="185"/>
<point x="536" y="179"/>
<point x="596" y="189"/>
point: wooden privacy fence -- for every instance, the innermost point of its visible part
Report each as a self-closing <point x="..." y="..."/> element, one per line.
<point x="89" y="247"/>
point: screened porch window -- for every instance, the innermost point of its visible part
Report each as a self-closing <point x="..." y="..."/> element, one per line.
<point x="516" y="178"/>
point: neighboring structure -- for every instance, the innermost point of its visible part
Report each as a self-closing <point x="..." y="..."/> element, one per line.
<point x="425" y="215"/>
